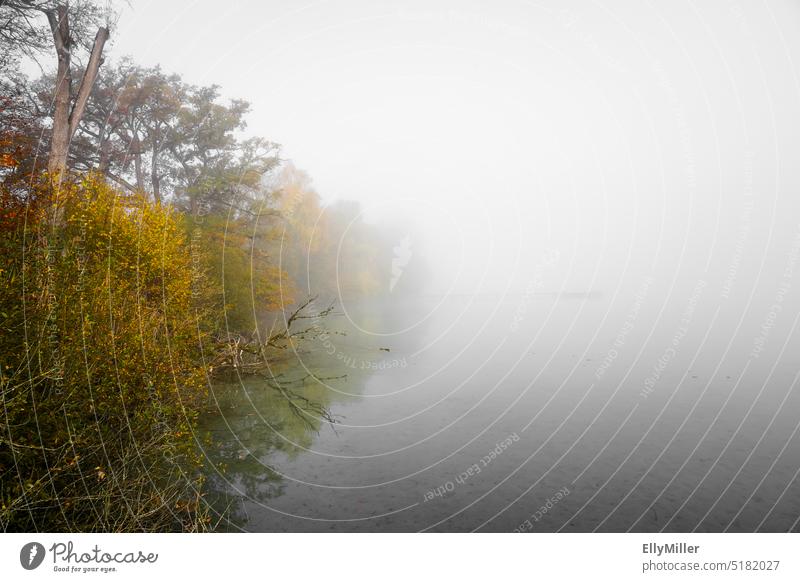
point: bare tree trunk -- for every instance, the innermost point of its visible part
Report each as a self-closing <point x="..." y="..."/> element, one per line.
<point x="104" y="138"/>
<point x="59" y="146"/>
<point x="156" y="186"/>
<point x="88" y="79"/>
<point x="66" y="115"/>
<point x="105" y="154"/>
<point x="136" y="150"/>
<point x="154" y="177"/>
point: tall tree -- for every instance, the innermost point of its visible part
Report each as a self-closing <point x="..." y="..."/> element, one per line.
<point x="118" y="135"/>
<point x="68" y="107"/>
<point x="69" y="25"/>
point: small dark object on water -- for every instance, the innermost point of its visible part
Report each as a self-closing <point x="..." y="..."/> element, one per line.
<point x="384" y="349"/>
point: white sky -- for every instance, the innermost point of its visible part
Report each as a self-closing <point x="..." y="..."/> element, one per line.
<point x="626" y="135"/>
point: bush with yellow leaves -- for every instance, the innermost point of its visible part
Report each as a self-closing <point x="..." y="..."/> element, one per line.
<point x="102" y="316"/>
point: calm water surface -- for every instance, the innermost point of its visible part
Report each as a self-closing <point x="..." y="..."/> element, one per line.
<point x="603" y="412"/>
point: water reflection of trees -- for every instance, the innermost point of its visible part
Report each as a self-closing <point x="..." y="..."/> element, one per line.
<point x="257" y="425"/>
<point x="251" y="423"/>
<point x="255" y="422"/>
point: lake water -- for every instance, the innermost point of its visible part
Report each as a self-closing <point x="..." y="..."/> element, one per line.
<point x="638" y="410"/>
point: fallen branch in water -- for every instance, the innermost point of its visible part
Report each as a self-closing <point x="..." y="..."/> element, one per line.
<point x="238" y="353"/>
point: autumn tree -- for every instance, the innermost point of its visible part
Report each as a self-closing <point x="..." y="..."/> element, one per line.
<point x="122" y="134"/>
<point x="20" y="128"/>
<point x="212" y="164"/>
<point x="71" y="25"/>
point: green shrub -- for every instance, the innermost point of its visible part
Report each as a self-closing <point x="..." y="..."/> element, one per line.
<point x="102" y="313"/>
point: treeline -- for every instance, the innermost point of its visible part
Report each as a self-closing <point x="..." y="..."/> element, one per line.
<point x="145" y="246"/>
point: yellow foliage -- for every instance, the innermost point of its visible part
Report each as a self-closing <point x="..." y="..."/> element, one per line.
<point x="100" y="351"/>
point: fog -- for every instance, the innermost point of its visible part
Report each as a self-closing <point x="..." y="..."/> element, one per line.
<point x="632" y="139"/>
<point x="469" y="266"/>
<point x="625" y="175"/>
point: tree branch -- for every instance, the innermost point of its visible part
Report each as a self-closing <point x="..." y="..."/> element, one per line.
<point x="87" y="81"/>
<point x="121" y="181"/>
